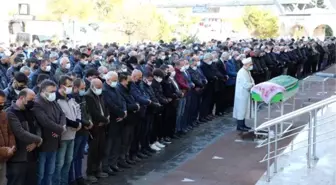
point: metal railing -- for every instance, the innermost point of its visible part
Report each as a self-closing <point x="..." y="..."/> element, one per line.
<point x="274" y="139"/>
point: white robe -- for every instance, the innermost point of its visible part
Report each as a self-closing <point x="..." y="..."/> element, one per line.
<point x="242" y="100"/>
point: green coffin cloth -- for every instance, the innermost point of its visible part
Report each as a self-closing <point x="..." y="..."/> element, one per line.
<point x="285" y="81"/>
<point x="289" y="83"/>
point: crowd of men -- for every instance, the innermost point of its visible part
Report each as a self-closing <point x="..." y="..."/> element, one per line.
<point x="126" y="102"/>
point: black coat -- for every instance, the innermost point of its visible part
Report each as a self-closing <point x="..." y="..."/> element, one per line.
<point x="114" y="102"/>
<point x="95" y="103"/>
<point x="158" y="91"/>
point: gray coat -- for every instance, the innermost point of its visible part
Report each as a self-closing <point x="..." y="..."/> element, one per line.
<point x="51" y="119"/>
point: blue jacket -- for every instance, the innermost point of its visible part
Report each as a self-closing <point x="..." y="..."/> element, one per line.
<point x="114" y="102"/>
<point x="187" y="76"/>
<point x="79" y="69"/>
<point x="140" y="96"/>
<point x="231" y="72"/>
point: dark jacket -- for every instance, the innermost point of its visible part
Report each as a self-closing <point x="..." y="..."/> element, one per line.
<point x="140" y="96"/>
<point x="157" y="88"/>
<point x="95" y="104"/>
<point x="10" y="95"/>
<point x="79" y="69"/>
<point x="170" y="90"/>
<point x="3" y="77"/>
<point x="33" y="77"/>
<point x="153" y="107"/>
<point x="26" y="131"/>
<point x="114" y="102"/>
<point x="196" y="77"/>
<point x="131" y="104"/>
<point x="85" y="116"/>
<point x="51" y="119"/>
<point x="231" y="72"/>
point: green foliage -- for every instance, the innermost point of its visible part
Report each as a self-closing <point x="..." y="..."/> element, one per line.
<point x="328" y="31"/>
<point x="74" y="9"/>
<point x="185" y="23"/>
<point x="261" y="23"/>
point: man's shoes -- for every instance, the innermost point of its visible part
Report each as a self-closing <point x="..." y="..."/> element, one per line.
<point x="148" y="153"/>
<point x="131" y="162"/>
<point x="101" y="175"/>
<point x="165" y="141"/>
<point x="116" y="169"/>
<point x="136" y="159"/>
<point x="81" y="181"/>
<point x="150" y="150"/>
<point x="242" y="129"/>
<point x="92" y="179"/>
<point x="159" y="145"/>
<point x="202" y="120"/>
<point x="109" y="171"/>
<point x="124" y="164"/>
<point x="154" y="147"/>
<point x="141" y="155"/>
<point x="246" y="127"/>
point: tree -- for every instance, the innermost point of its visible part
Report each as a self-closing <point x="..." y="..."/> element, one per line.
<point x="328" y="31"/>
<point x="185" y="23"/>
<point x="105" y="8"/>
<point x="74" y="9"/>
<point x="143" y="22"/>
<point x="261" y="23"/>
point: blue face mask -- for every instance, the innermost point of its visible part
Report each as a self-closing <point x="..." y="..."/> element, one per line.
<point x="81" y="92"/>
<point x="201" y="57"/>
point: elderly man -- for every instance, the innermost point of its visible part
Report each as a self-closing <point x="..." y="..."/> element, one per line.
<point x="100" y="119"/>
<point x="53" y="58"/>
<point x="117" y="108"/>
<point x="242" y="100"/>
<point x="25" y="70"/>
<point x="102" y="70"/>
<point x="63" y="69"/>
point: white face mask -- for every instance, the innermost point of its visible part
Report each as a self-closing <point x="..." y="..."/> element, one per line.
<point x="158" y="79"/>
<point x="113" y="84"/>
<point x="97" y="91"/>
<point x="51" y="96"/>
<point x="198" y="63"/>
<point x="48" y="68"/>
<point x="55" y="61"/>
<point x="194" y="67"/>
<point x="182" y="69"/>
<point x="85" y="62"/>
<point x="172" y="74"/>
<point x="149" y="83"/>
<point x="209" y="63"/>
<point x="187" y="67"/>
<point x="163" y="57"/>
<point x="68" y="90"/>
<point x="124" y="70"/>
<point x="67" y="66"/>
<point x="250" y="68"/>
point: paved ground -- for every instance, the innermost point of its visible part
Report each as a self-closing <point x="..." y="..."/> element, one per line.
<point x="191" y="159"/>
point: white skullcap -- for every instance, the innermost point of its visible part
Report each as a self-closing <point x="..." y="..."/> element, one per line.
<point x="247" y="60"/>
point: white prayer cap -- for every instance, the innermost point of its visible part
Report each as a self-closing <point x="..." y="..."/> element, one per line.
<point x="247" y="60"/>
